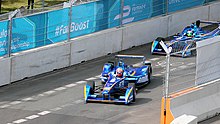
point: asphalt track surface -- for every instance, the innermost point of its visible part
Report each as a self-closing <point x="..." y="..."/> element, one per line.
<point x="57" y="97"/>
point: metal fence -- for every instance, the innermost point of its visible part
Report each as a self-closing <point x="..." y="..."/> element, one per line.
<point x="27" y="10"/>
<point x="20" y="32"/>
<point x="201" y="68"/>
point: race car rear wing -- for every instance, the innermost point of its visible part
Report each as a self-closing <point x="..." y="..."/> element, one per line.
<point x="210" y="22"/>
<point x="131" y="56"/>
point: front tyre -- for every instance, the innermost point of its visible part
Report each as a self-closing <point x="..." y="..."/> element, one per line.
<point x="134" y="91"/>
<point x="92" y="85"/>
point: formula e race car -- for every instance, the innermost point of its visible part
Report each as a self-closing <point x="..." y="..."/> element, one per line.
<point x="119" y="81"/>
<point x="182" y="44"/>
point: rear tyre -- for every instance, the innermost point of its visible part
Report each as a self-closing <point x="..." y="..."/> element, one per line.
<point x="103" y="83"/>
<point x="159" y="39"/>
<point x="134" y="91"/>
<point x="149" y="71"/>
<point x="149" y="77"/>
<point x="92" y="85"/>
<point x="193" y="52"/>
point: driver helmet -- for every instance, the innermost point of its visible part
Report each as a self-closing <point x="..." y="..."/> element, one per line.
<point x="189" y="33"/>
<point x="119" y="72"/>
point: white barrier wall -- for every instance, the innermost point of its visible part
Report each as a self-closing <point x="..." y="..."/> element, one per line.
<point x="180" y="20"/>
<point x="214" y="12"/>
<point x="208" y="60"/>
<point x="185" y="119"/>
<point x="202" y="103"/>
<point x="5" y="65"/>
<point x="40" y="60"/>
<point x="95" y="45"/>
<point x="144" y="32"/>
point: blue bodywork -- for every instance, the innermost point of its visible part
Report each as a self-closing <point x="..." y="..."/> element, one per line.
<point x="115" y="90"/>
<point x="182" y="43"/>
<point x="118" y="89"/>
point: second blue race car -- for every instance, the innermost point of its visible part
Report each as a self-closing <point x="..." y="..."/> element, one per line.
<point x="182" y="44"/>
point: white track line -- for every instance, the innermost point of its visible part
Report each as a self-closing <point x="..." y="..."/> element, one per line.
<point x="4" y="106"/>
<point x="173" y="69"/>
<point x="154" y="59"/>
<point x="70" y="85"/>
<point x="60" y="88"/>
<point x="15" y="102"/>
<point x="66" y="105"/>
<point x="56" y="109"/>
<point x="40" y="94"/>
<point x="98" y="76"/>
<point x="191" y="64"/>
<point x="27" y="99"/>
<point x="80" y="82"/>
<point x="183" y="66"/>
<point x="32" y="117"/>
<point x="49" y="92"/>
<point x="157" y="75"/>
<point x="19" y="121"/>
<point x="44" y="113"/>
<point x="90" y="79"/>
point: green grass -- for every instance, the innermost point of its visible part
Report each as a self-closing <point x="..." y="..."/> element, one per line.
<point x="11" y="5"/>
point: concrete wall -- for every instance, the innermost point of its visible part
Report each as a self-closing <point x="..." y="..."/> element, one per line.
<point x="144" y="32"/>
<point x="95" y="45"/>
<point x="40" y="60"/>
<point x="214" y="12"/>
<point x="48" y="58"/>
<point x="202" y="103"/>
<point x="178" y="21"/>
<point x="208" y="60"/>
<point x="5" y="73"/>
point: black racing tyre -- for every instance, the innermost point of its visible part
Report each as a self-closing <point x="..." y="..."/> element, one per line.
<point x="148" y="63"/>
<point x="92" y="85"/>
<point x="193" y="52"/>
<point x="149" y="75"/>
<point x="198" y="23"/>
<point x="103" y="83"/>
<point x="149" y="71"/>
<point x="134" y="91"/>
<point x="159" y="39"/>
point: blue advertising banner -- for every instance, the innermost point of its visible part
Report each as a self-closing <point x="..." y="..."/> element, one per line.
<point x="114" y="13"/>
<point x="57" y="26"/>
<point x="23" y="34"/>
<point x="159" y="7"/>
<point x="3" y="37"/>
<point x="85" y="22"/>
<point x="101" y="15"/>
<point x="134" y="10"/>
<point x="40" y="21"/>
<point x="176" y="5"/>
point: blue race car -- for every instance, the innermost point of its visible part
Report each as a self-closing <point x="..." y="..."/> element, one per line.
<point x="182" y="44"/>
<point x="119" y="81"/>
